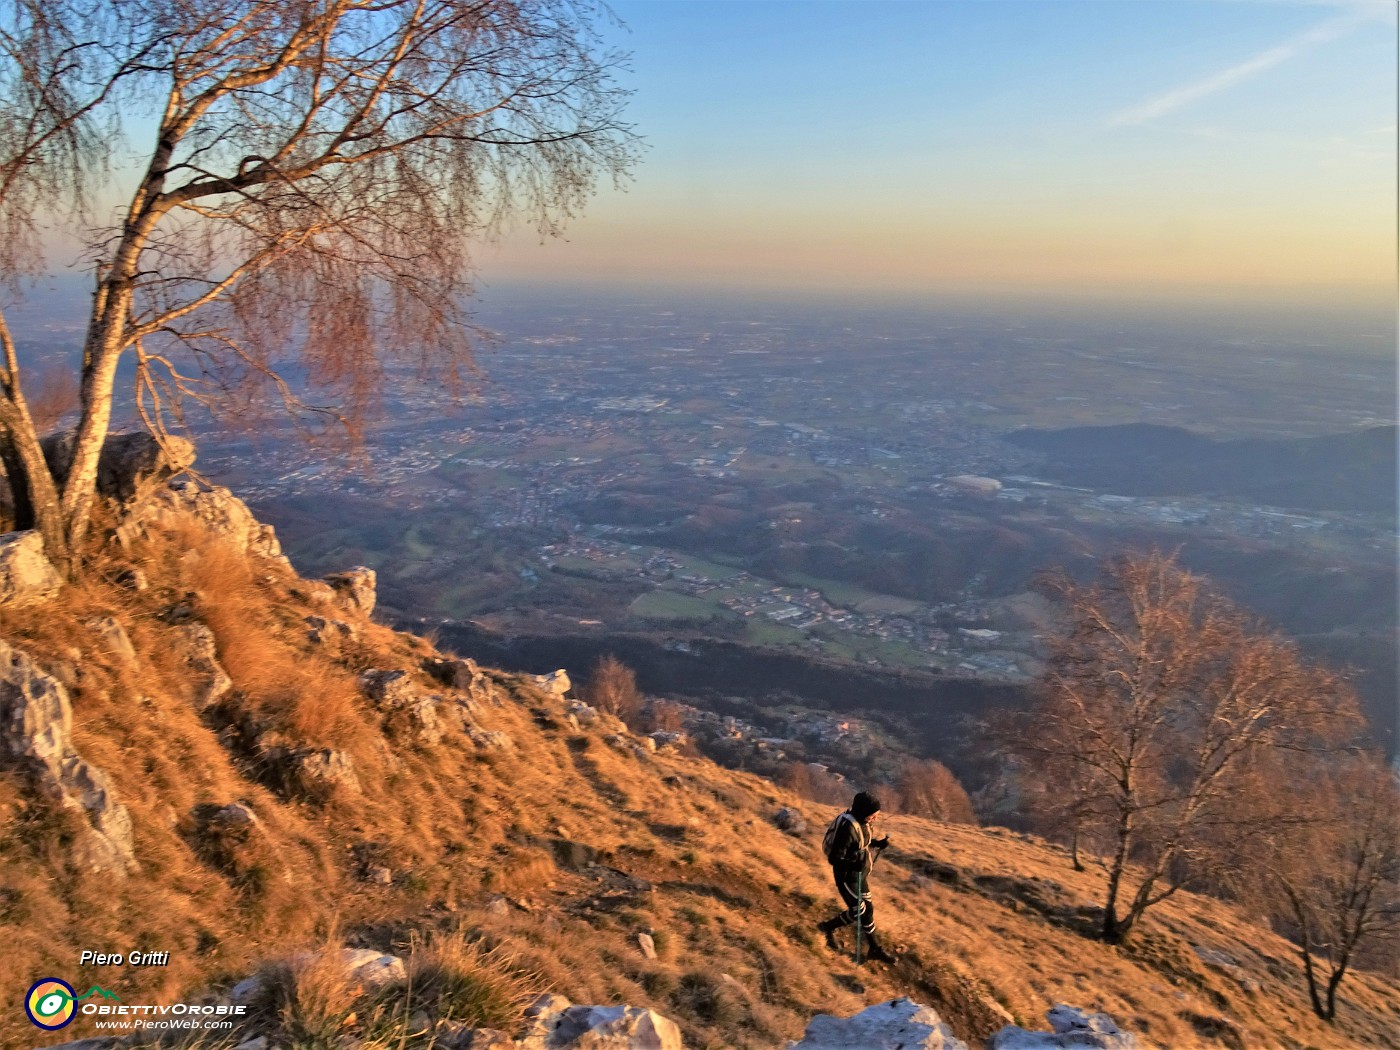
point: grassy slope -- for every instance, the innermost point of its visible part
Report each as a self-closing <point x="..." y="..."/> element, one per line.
<point x="988" y="918"/>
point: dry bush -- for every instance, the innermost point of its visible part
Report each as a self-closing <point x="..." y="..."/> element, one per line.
<point x="927" y="788"/>
<point x="612" y="687"/>
<point x="665" y="716"/>
<point x="456" y="978"/>
<point x="311" y="1002"/>
<point x="704" y="996"/>
<point x="814" y="783"/>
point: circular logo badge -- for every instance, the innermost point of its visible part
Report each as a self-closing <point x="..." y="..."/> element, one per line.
<point x="50" y="1003"/>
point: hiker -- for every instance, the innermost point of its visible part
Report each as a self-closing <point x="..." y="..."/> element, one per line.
<point x="850" y="844"/>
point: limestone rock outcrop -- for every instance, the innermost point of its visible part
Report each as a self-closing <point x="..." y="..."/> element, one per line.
<point x="790" y="820"/>
<point x="355" y="589"/>
<point x="556" y="682"/>
<point x="557" y="1024"/>
<point x="36" y="731"/>
<point x="127" y="461"/>
<point x="113" y="643"/>
<point x="407" y="711"/>
<point x="899" y="1024"/>
<point x="215" y="507"/>
<point x="329" y="633"/>
<point x="1070" y="1027"/>
<point x="209" y="681"/>
<point x="26" y="575"/>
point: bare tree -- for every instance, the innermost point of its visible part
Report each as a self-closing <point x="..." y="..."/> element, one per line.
<point x="1156" y="699"/>
<point x="813" y="781"/>
<point x="312" y="181"/>
<point x="1052" y="789"/>
<point x="612" y="687"/>
<point x="1330" y="873"/>
<point x="927" y="788"/>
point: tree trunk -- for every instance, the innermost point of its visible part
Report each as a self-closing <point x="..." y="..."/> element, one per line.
<point x="1305" y="949"/>
<point x="36" y="498"/>
<point x="99" y="377"/>
<point x="17" y="482"/>
<point x="1311" y="976"/>
<point x="1333" y="983"/>
<point x="1113" y="932"/>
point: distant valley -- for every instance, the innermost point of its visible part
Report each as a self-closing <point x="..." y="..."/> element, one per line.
<point x="784" y="481"/>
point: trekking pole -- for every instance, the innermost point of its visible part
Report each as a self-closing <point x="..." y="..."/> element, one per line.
<point x="860" y="910"/>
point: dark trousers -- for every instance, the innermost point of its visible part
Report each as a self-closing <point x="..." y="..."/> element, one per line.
<point x="857" y="907"/>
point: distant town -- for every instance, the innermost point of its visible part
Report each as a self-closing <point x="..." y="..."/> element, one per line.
<point x="793" y="480"/>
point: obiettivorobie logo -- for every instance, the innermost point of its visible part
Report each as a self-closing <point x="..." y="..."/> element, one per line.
<point x="52" y="1004"/>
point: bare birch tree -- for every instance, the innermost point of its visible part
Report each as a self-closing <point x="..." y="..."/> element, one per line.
<point x="311" y="177"/>
<point x="612" y="687"/>
<point x="1329" y="874"/>
<point x="928" y="788"/>
<point x="1156" y="699"/>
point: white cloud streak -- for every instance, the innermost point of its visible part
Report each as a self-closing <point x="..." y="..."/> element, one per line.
<point x="1187" y="94"/>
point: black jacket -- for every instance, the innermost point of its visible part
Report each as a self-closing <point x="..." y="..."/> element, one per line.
<point x="851" y="845"/>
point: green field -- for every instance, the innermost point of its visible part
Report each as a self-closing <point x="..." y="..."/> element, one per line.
<point x="763" y="631"/>
<point x="710" y="570"/>
<point x="615" y="564"/>
<point x="668" y="605"/>
<point x="838" y="593"/>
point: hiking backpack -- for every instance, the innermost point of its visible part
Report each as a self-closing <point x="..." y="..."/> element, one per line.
<point x="832" y="832"/>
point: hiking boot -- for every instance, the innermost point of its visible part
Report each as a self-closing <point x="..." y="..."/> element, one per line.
<point x="829" y="928"/>
<point x="875" y="950"/>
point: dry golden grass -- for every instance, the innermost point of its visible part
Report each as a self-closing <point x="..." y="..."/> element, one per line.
<point x="686" y="852"/>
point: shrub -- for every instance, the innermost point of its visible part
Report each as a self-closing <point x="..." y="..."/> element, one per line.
<point x="612" y="687"/>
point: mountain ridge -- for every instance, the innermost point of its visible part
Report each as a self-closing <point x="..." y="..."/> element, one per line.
<point x="1353" y="471"/>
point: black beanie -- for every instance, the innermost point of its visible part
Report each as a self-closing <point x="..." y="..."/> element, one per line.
<point x="864" y="804"/>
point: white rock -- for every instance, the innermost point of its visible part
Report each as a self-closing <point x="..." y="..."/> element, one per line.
<point x="585" y="714"/>
<point x="1211" y="957"/>
<point x="246" y="990"/>
<point x="26" y="575"/>
<point x="355" y="589"/>
<point x="112" y="639"/>
<point x="541" y="1018"/>
<point x="647" y="944"/>
<point x="1070" y="1027"/>
<point x="212" y="682"/>
<point x="212" y="506"/>
<point x="613" y="1028"/>
<point x="36" y="731"/>
<point x="327" y="767"/>
<point x="899" y="1024"/>
<point x="556" y="682"/>
<point x="372" y="969"/>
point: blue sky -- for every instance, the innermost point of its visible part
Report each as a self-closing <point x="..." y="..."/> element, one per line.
<point x="1113" y="147"/>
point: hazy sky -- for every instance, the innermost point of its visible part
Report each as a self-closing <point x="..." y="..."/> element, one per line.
<point x="1119" y="146"/>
